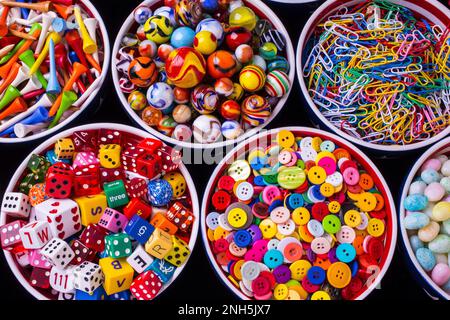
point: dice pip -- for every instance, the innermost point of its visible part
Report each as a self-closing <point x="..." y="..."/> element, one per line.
<point x="146" y="286"/>
<point x="88" y="276"/>
<point x="109" y="156"/>
<point x="93" y="237"/>
<point x="16" y="204"/>
<point x="180" y="216"/>
<point x="58" y="253"/>
<point x="10" y="235"/>
<point x="59" y="181"/>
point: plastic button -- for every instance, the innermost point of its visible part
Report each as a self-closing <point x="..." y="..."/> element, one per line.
<point x="339" y="275"/>
<point x="239" y="170"/>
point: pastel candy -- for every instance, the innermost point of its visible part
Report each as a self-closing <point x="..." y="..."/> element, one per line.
<point x="446" y="168"/>
<point x="429" y="176"/>
<point x="441" y="211"/>
<point x="440" y="244"/>
<point x="446" y="286"/>
<point x="426" y="258"/>
<point x="434" y="164"/>
<point x="441" y="258"/>
<point x="434" y="192"/>
<point x="417" y="187"/>
<point x="440" y="274"/>
<point x="416" y="202"/>
<point x="415" y="242"/>
<point x="445" y="182"/>
<point x="416" y="220"/>
<point x="429" y="232"/>
<point x="446" y="227"/>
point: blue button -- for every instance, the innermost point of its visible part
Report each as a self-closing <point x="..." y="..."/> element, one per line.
<point x="258" y="163"/>
<point x="354" y="267"/>
<point x="259" y="181"/>
<point x="316" y="275"/>
<point x="345" y="252"/>
<point x="242" y="238"/>
<point x="295" y="201"/>
<point x="315" y="195"/>
<point x="273" y="258"/>
<point x="275" y="204"/>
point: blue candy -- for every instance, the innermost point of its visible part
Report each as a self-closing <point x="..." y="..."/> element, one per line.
<point x="430" y="175"/>
<point x="416" y="220"/>
<point x="426" y="258"/>
<point x="159" y="192"/>
<point x="416" y="243"/>
<point x="416" y="202"/>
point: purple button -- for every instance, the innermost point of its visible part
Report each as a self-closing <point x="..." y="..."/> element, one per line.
<point x="255" y="232"/>
<point x="310" y="255"/>
<point x="332" y="255"/>
<point x="282" y="274"/>
<point x="261" y="245"/>
<point x="253" y="255"/>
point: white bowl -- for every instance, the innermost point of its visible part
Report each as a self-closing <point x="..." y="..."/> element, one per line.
<point x="242" y="149"/>
<point x="90" y="94"/>
<point x="4" y="218"/>
<point x="260" y="9"/>
<point x="432" y="10"/>
<point x="415" y="268"/>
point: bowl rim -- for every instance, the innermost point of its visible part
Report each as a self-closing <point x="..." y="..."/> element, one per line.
<point x="312" y="106"/>
<point x="290" y="55"/>
<point x="299" y="130"/>
<point x="16" y="270"/>
<point x="434" y="150"/>
<point x="91" y="92"/>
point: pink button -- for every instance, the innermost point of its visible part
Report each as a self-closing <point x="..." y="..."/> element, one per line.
<point x="284" y="157"/>
<point x="293" y="161"/>
<point x="328" y="164"/>
<point x="320" y="245"/>
<point x="253" y="255"/>
<point x="261" y="246"/>
<point x="280" y="215"/>
<point x="346" y="235"/>
<point x="270" y="193"/>
<point x="351" y="176"/>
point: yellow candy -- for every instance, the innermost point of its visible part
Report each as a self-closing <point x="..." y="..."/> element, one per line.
<point x="441" y="211"/>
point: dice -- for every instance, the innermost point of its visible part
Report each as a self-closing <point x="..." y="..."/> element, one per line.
<point x="35" y="234"/>
<point x="37" y="194"/>
<point x="112" y="220"/>
<point x="87" y="277"/>
<point x="139" y="260"/>
<point x="36" y="259"/>
<point x="29" y="181"/>
<point x="139" y="229"/>
<point x="58" y="253"/>
<point x="38" y="164"/>
<point x="170" y="158"/>
<point x="129" y="158"/>
<point x="91" y="208"/>
<point x="85" y="158"/>
<point x="178" y="183"/>
<point x="161" y="222"/>
<point x="139" y="207"/>
<point x="40" y="278"/>
<point x="118" y="245"/>
<point x="93" y="237"/>
<point x="148" y="165"/>
<point x="163" y="269"/>
<point x="10" y="236"/>
<point x="52" y="158"/>
<point x="59" y="181"/>
<point x="64" y="148"/>
<point x="109" y="156"/>
<point x="63" y="215"/>
<point x="116" y="194"/>
<point x="179" y="252"/>
<point x="62" y="280"/>
<point x="16" y="204"/>
<point x="137" y="188"/>
<point x="85" y="140"/>
<point x="180" y="216"/>
<point x="109" y="136"/>
<point x="81" y="252"/>
<point x="146" y="286"/>
<point x="150" y="145"/>
<point x="110" y="175"/>
<point x="97" y="295"/>
<point x="118" y="275"/>
<point x="159" y="244"/>
<point x="87" y="180"/>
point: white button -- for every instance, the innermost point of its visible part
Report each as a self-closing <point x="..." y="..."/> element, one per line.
<point x="224" y="223"/>
<point x="280" y="215"/>
<point x="341" y="161"/>
<point x="365" y="243"/>
<point x="250" y="270"/>
<point x="239" y="170"/>
<point x="244" y="191"/>
<point x="308" y="154"/>
<point x="320" y="245"/>
<point x="335" y="179"/>
<point x="212" y="220"/>
<point x="364" y="221"/>
<point x="306" y="143"/>
<point x="284" y="157"/>
<point x="287" y="228"/>
<point x="315" y="228"/>
<point x="244" y="289"/>
<point x="346" y="235"/>
<point x="273" y="244"/>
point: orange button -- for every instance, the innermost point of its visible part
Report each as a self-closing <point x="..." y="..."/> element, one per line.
<point x="365" y="182"/>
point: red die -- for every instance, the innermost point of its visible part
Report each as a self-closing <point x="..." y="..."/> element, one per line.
<point x="85" y="140"/>
<point x="93" y="237"/>
<point x="170" y="158"/>
<point x="139" y="207"/>
<point x="150" y="145"/>
<point x="40" y="278"/>
<point x="130" y="140"/>
<point x="82" y="253"/>
<point x="137" y="188"/>
<point x="87" y="180"/>
<point x="148" y="165"/>
<point x="110" y="175"/>
<point x="109" y="136"/>
<point x="180" y="216"/>
<point x="129" y="158"/>
<point x="59" y="180"/>
<point x="9" y="234"/>
<point x="146" y="286"/>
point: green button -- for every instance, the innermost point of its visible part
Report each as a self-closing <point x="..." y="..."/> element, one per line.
<point x="291" y="178"/>
<point x="270" y="178"/>
<point x="331" y="224"/>
<point x="301" y="164"/>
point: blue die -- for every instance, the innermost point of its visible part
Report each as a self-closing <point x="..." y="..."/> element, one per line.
<point x="123" y="295"/>
<point x="163" y="269"/>
<point x="139" y="229"/>
<point x="98" y="294"/>
<point x="51" y="157"/>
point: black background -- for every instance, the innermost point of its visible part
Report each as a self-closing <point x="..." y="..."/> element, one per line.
<point x="198" y="282"/>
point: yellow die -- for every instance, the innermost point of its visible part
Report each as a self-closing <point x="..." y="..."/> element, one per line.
<point x="91" y="208"/>
<point x="109" y="156"/>
<point x="118" y="275"/>
<point x="64" y="149"/>
<point x="177" y="182"/>
<point x="159" y="244"/>
<point x="179" y="252"/>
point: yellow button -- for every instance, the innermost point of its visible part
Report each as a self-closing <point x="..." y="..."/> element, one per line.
<point x="268" y="228"/>
<point x="315" y="143"/>
<point x="210" y="234"/>
<point x="317" y="175"/>
<point x="258" y="153"/>
<point x="338" y="188"/>
<point x="237" y="269"/>
<point x="220" y="233"/>
<point x="334" y="207"/>
<point x="280" y="292"/>
<point x="299" y="269"/>
<point x="300" y="290"/>
<point x="324" y="154"/>
<point x="352" y="218"/>
<point x="305" y="235"/>
<point x="301" y="216"/>
<point x="285" y="139"/>
<point x="327" y="190"/>
<point x="320" y="295"/>
<point x="339" y="275"/>
<point x="239" y="170"/>
<point x="293" y="295"/>
<point x="367" y="202"/>
<point x="375" y="227"/>
<point x="237" y="218"/>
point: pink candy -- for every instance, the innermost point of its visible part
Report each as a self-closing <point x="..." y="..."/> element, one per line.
<point x="440" y="274"/>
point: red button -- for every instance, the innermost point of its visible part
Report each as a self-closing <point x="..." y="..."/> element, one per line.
<point x="356" y="189"/>
<point x="269" y="276"/>
<point x="348" y="164"/>
<point x="309" y="164"/>
<point x="260" y="210"/>
<point x="367" y="261"/>
<point x="261" y="286"/>
<point x="375" y="248"/>
<point x="231" y="256"/>
<point x="308" y="286"/>
<point x="378" y="214"/>
<point x="339" y="197"/>
<point x="347" y="294"/>
<point x="303" y="188"/>
<point x="221" y="200"/>
<point x="355" y="285"/>
<point x="226" y="183"/>
<point x="220" y="245"/>
<point x="319" y="211"/>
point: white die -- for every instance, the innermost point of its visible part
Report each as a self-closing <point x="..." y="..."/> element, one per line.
<point x="58" y="253"/>
<point x="139" y="260"/>
<point x="16" y="204"/>
<point x="62" y="279"/>
<point x="35" y="234"/>
<point x="88" y="276"/>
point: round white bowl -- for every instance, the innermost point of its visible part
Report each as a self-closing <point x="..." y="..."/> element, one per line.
<point x="433" y="10"/>
<point x="261" y="10"/>
<point x="242" y="149"/>
<point x="415" y="268"/>
<point x="84" y="101"/>
<point x="4" y="218"/>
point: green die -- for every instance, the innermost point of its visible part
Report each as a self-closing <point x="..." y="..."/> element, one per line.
<point x="118" y="245"/>
<point x="38" y="164"/>
<point x="116" y="194"/>
<point x="30" y="180"/>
